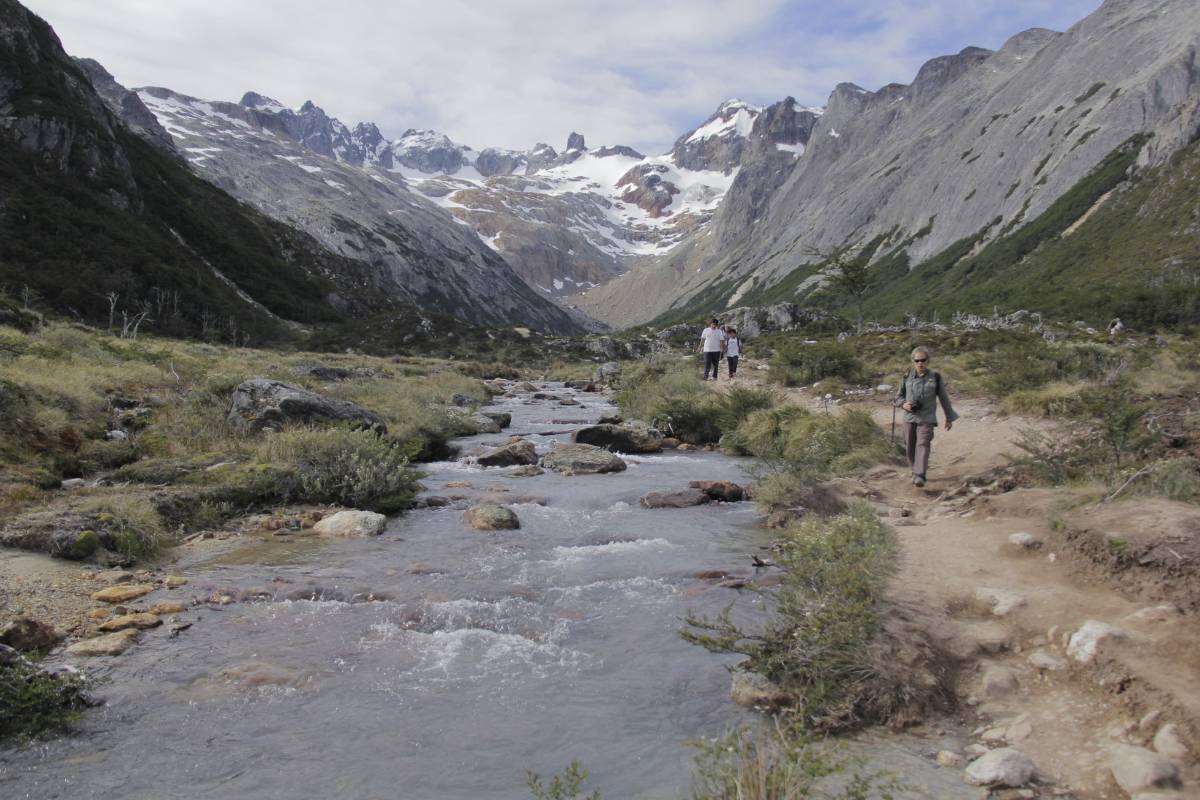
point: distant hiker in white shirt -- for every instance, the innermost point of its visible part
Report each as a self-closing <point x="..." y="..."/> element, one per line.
<point x="733" y="350"/>
<point x="712" y="342"/>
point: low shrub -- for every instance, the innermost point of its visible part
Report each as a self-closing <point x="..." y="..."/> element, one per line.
<point x="129" y="525"/>
<point x="826" y="641"/>
<point x="799" y="364"/>
<point x="353" y="468"/>
<point x="36" y="704"/>
<point x="566" y="786"/>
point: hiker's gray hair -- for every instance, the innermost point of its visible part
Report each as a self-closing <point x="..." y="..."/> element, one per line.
<point x="922" y="349"/>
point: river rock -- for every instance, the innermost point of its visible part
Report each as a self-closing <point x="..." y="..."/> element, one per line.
<point x="611" y="418"/>
<point x="123" y="593"/>
<point x="1022" y="541"/>
<point x="484" y="423"/>
<point x="581" y="386"/>
<point x="1044" y="659"/>
<point x="755" y="691"/>
<point x="1086" y="642"/>
<point x="582" y="459"/>
<point x="166" y="608"/>
<point x="1005" y="766"/>
<point x="112" y="644"/>
<point x="1001" y="601"/>
<point x="629" y="438"/>
<point x="139" y="621"/>
<point x="351" y="524"/>
<point x="1136" y="769"/>
<point x="174" y="581"/>
<point x="490" y="517"/>
<point x="261" y="404"/>
<point x="725" y="491"/>
<point x="28" y="634"/>
<point x="523" y="386"/>
<point x="501" y="418"/>
<point x="510" y="455"/>
<point x="460" y="400"/>
<point x="681" y="498"/>
<point x="325" y="373"/>
<point x="948" y="758"/>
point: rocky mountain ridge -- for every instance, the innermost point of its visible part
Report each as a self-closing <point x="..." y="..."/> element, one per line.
<point x="979" y="145"/>
<point x="564" y="220"/>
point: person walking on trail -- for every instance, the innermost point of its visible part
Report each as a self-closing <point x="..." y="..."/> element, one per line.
<point x="733" y="350"/>
<point x="712" y="342"/>
<point x="920" y="392"/>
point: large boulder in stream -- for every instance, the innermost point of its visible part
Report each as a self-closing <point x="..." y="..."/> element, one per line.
<point x="725" y="491"/>
<point x="501" y="418"/>
<point x="484" y="423"/>
<point x="491" y="517"/>
<point x="351" y="524"/>
<point x="260" y="404"/>
<point x="513" y="454"/>
<point x="581" y="459"/>
<point x="629" y="438"/>
<point x="682" y="498"/>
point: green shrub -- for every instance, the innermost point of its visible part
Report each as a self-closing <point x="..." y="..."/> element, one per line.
<point x="811" y="447"/>
<point x="798" y="364"/>
<point x="827" y="611"/>
<point x="129" y="525"/>
<point x="353" y="468"/>
<point x="677" y="402"/>
<point x="1174" y="479"/>
<point x="35" y="704"/>
<point x="561" y="787"/>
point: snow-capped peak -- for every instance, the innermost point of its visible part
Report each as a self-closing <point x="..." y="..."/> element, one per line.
<point x="262" y="103"/>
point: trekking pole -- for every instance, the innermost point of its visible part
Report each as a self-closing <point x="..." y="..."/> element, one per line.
<point x="893" y="422"/>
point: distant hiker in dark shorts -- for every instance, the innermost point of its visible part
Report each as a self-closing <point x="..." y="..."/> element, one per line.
<point x="712" y="342"/>
<point x="920" y="392"/>
<point x="733" y="350"/>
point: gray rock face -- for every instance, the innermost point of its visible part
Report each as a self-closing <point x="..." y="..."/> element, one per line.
<point x="261" y="404"/>
<point x="1012" y="130"/>
<point x="757" y="320"/>
<point x="717" y="144"/>
<point x="575" y="142"/>
<point x="582" y="459"/>
<point x="509" y="455"/>
<point x="622" y="438"/>
<point x="127" y="105"/>
<point x="351" y="524"/>
<point x="411" y="250"/>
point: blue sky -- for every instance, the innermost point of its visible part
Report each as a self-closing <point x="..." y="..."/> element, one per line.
<point x="509" y="73"/>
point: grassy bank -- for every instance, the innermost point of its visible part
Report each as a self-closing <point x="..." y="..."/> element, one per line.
<point x="174" y="465"/>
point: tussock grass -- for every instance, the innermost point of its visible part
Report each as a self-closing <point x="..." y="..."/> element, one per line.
<point x="35" y="704"/>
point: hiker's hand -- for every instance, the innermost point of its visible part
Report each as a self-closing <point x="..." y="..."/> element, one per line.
<point x="908" y="407"/>
<point x="949" y="424"/>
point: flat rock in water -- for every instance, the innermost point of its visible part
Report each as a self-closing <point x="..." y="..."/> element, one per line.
<point x="682" y="498"/>
<point x="489" y="517"/>
<point x="1136" y="769"/>
<point x="261" y="404"/>
<point x="28" y="634"/>
<point x="582" y="459"/>
<point x="123" y="593"/>
<point x="166" y="608"/>
<point x="351" y="524"/>
<point x="139" y="621"/>
<point x="627" y="438"/>
<point x="1086" y="642"/>
<point x="529" y="471"/>
<point x="520" y="453"/>
<point x="484" y="423"/>
<point x="1003" y="767"/>
<point x="112" y="644"/>
<point x="725" y="491"/>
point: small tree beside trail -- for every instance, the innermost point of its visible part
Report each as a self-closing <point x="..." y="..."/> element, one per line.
<point x="850" y="277"/>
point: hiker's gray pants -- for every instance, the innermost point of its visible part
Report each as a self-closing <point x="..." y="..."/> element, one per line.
<point x="918" y="440"/>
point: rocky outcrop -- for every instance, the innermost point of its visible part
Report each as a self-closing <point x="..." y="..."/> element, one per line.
<point x="261" y="404"/>
<point x="127" y="105"/>
<point x="582" y="459"/>
<point x="725" y="491"/>
<point x="621" y="438"/>
<point x="513" y="454"/>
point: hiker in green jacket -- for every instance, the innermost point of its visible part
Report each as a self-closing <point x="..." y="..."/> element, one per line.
<point x="919" y="394"/>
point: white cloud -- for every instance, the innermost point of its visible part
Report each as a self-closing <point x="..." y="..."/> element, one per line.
<point x="511" y="72"/>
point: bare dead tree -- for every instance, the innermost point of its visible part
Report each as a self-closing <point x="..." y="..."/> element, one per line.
<point x="112" y="298"/>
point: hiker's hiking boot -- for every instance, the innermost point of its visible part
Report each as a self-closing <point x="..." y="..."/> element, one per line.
<point x="918" y="481"/>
